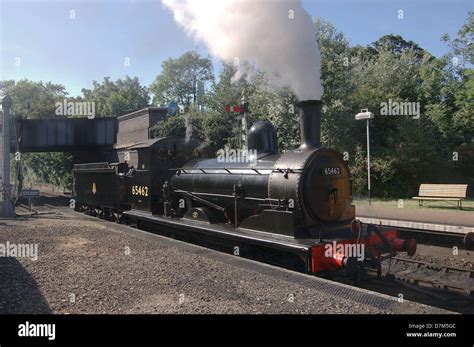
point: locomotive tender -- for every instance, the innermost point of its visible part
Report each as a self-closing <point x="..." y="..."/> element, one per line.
<point x="294" y="209"/>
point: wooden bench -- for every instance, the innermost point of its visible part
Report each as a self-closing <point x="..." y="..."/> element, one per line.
<point x="442" y="192"/>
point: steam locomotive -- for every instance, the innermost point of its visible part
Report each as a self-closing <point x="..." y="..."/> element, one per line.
<point x="294" y="209"/>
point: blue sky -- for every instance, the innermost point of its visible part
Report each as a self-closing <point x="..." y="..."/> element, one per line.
<point x="53" y="47"/>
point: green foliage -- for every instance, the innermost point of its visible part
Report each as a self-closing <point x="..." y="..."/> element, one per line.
<point x="180" y="79"/>
<point x="53" y="168"/>
<point x="395" y="44"/>
<point x="171" y="126"/>
<point x="337" y="61"/>
<point x="33" y="99"/>
<point x="404" y="152"/>
<point x="223" y="128"/>
<point x="189" y="124"/>
<point x="462" y="44"/>
<point x="117" y="98"/>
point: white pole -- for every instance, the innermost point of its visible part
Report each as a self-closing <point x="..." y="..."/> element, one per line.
<point x="368" y="158"/>
<point x="244" y="131"/>
<point x="244" y="125"/>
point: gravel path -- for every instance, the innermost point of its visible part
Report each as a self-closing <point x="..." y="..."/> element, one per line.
<point x="86" y="265"/>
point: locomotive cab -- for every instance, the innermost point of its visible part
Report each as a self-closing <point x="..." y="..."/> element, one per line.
<point x="152" y="161"/>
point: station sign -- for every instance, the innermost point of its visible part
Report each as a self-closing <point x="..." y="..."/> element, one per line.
<point x="30" y="193"/>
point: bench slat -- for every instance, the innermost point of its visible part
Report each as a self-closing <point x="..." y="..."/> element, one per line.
<point x="435" y="198"/>
<point x="443" y="191"/>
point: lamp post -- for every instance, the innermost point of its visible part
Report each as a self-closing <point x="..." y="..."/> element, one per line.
<point x="243" y="112"/>
<point x="365" y="114"/>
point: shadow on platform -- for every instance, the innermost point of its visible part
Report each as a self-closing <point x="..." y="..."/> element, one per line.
<point x="19" y="292"/>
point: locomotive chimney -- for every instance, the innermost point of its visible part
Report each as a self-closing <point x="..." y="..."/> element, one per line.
<point x="310" y="123"/>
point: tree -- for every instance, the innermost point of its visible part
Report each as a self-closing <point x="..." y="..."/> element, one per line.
<point x="463" y="44"/>
<point x="396" y="45"/>
<point x="189" y="124"/>
<point x="181" y="79"/>
<point x="117" y="98"/>
<point x="337" y="64"/>
<point x="404" y="150"/>
<point x="52" y="167"/>
<point x="33" y="99"/>
<point x="454" y="116"/>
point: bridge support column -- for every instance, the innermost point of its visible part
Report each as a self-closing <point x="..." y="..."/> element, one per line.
<point x="7" y="205"/>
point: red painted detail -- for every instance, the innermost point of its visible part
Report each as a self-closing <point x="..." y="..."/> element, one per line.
<point x="401" y="245"/>
<point x="326" y="257"/>
<point x="410" y="247"/>
<point x="397" y="244"/>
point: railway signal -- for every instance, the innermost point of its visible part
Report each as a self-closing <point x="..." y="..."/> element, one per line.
<point x="241" y="109"/>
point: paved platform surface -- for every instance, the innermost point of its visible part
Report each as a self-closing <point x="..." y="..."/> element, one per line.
<point x="427" y="219"/>
<point x="85" y="265"/>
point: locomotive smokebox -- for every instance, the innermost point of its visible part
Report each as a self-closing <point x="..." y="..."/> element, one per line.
<point x="310" y="123"/>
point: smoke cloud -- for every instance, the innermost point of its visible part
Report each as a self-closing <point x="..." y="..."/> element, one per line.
<point x="277" y="36"/>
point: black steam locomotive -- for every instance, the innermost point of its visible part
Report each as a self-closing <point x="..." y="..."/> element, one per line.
<point x="294" y="207"/>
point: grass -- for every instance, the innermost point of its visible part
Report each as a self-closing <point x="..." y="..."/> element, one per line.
<point x="467" y="205"/>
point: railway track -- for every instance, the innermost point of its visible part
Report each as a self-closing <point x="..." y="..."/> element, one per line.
<point x="424" y="282"/>
<point x="425" y="274"/>
<point x="436" y="238"/>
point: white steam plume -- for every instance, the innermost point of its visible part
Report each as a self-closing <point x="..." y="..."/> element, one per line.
<point x="277" y="36"/>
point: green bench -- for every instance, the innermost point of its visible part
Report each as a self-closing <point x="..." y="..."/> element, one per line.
<point x="442" y="192"/>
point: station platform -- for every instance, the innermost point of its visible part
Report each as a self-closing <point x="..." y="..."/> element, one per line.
<point x="424" y="219"/>
<point x="109" y="268"/>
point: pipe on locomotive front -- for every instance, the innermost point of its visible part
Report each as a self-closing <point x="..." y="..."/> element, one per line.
<point x="310" y="123"/>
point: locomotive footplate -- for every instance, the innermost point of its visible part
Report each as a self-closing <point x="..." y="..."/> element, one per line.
<point x="304" y="255"/>
<point x="237" y="241"/>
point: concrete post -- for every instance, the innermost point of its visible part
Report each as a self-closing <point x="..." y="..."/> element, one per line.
<point x="7" y="206"/>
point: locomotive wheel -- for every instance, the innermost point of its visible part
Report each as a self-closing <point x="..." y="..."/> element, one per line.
<point x="90" y="211"/>
<point x="116" y="217"/>
<point x="108" y="214"/>
<point x="469" y="241"/>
